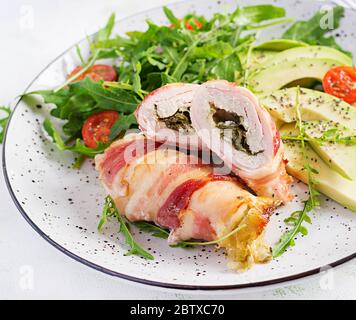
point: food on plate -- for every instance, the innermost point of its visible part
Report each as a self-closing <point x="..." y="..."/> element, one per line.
<point x="96" y="72"/>
<point x="230" y="121"/>
<point x="341" y="82"/>
<point x="97" y="128"/>
<point x="193" y="86"/>
<point x="314" y="52"/>
<point x="278" y="76"/>
<point x="176" y="191"/>
<point x="280" y="44"/>
<point x="164" y="115"/>
<point x="335" y="146"/>
<point x="297" y="64"/>
<point x="329" y="182"/>
<point x="314" y="105"/>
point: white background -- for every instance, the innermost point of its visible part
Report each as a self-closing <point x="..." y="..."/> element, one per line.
<point x="32" y="34"/>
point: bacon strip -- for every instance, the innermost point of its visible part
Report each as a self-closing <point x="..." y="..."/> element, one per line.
<point x="121" y="154"/>
<point x="178" y="200"/>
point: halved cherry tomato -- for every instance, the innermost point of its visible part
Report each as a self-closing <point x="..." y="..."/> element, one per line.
<point x="341" y="82"/>
<point x="97" y="128"/>
<point x="189" y="24"/>
<point x="96" y="72"/>
<point x="197" y="24"/>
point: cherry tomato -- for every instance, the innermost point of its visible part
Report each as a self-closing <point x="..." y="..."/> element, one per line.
<point x="97" y="128"/>
<point x="189" y="24"/>
<point x="341" y="82"/>
<point x="193" y="22"/>
<point x="96" y="72"/>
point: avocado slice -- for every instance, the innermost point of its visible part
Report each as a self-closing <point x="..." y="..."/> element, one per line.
<point x="257" y="58"/>
<point x="317" y="52"/>
<point x="261" y="56"/>
<point x="338" y="157"/>
<point x="280" y="44"/>
<point x="277" y="76"/>
<point x="314" y="105"/>
<point x="329" y="182"/>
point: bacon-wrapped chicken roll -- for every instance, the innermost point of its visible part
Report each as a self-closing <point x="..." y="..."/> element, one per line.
<point x="229" y="121"/>
<point x="151" y="182"/>
<point x="164" y="115"/>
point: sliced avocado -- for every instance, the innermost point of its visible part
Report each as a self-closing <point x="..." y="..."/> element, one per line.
<point x="304" y="83"/>
<point x="261" y="56"/>
<point x="339" y="157"/>
<point x="277" y="76"/>
<point x="314" y="105"/>
<point x="329" y="182"/>
<point x="317" y="52"/>
<point x="280" y="44"/>
<point x="257" y="58"/>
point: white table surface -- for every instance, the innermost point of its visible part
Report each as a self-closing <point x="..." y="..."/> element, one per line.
<point x="33" y="32"/>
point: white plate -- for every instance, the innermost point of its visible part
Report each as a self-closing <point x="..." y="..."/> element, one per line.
<point x="64" y="205"/>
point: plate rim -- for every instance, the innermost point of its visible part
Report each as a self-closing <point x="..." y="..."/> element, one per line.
<point x="152" y="283"/>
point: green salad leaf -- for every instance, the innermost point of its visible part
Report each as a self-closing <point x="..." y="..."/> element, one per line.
<point x="110" y="210"/>
<point x="244" y="16"/>
<point x="153" y="229"/>
<point x="171" y="53"/>
<point x="171" y="17"/>
<point x="124" y="123"/>
<point x="79" y="100"/>
<point x="312" y="31"/>
<point x="184" y="51"/>
<point x="158" y="232"/>
<point x="331" y="135"/>
<point x="162" y="233"/>
<point x="106" y="98"/>
<point x="298" y="217"/>
<point x="4" y="120"/>
<point x="105" y="33"/>
<point x="77" y="147"/>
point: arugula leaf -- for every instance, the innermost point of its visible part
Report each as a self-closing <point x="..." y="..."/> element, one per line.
<point x="228" y="68"/>
<point x="155" y="57"/>
<point x="153" y="229"/>
<point x="159" y="232"/>
<point x="331" y="135"/>
<point x="166" y="54"/>
<point x="3" y="121"/>
<point x="59" y="98"/>
<point x="106" y="213"/>
<point x="297" y="218"/>
<point x="171" y="17"/>
<point x="122" y="124"/>
<point x="136" y="82"/>
<point x="77" y="147"/>
<point x="105" y="33"/>
<point x="106" y="98"/>
<point x="81" y="99"/>
<point x="110" y="210"/>
<point x="312" y="32"/>
<point x="287" y="239"/>
<point x="217" y="50"/>
<point x="255" y="14"/>
<point x="162" y="233"/>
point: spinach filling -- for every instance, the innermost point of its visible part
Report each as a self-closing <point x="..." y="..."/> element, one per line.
<point x="226" y="120"/>
<point x="178" y="121"/>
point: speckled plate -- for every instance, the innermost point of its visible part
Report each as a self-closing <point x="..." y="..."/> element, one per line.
<point x="63" y="205"/>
